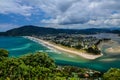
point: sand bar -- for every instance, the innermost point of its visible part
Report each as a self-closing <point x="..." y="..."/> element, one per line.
<point x="113" y="49"/>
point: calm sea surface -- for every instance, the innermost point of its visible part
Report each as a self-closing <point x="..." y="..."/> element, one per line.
<point x="19" y="46"/>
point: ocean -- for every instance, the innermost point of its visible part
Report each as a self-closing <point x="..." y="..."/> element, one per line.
<point x="19" y="46"/>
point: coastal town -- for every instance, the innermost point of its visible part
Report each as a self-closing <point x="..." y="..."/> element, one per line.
<point x="76" y="41"/>
<point x="86" y="47"/>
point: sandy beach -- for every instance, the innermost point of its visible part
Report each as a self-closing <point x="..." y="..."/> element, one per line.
<point x="48" y="44"/>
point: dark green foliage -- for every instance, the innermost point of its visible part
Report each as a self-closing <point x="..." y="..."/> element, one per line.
<point x="112" y="74"/>
<point x="78" y="46"/>
<point x="32" y="67"/>
<point x="40" y="59"/>
<point x="93" y="50"/>
<point x="30" y="30"/>
<point x="3" y="53"/>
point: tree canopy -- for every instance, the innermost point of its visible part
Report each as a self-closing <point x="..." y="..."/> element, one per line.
<point x="3" y="54"/>
<point x="112" y="74"/>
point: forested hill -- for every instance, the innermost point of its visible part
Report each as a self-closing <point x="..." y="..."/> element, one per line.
<point x="30" y="30"/>
<point x="35" y="30"/>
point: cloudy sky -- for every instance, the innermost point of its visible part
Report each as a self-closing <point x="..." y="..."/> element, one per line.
<point x="59" y="13"/>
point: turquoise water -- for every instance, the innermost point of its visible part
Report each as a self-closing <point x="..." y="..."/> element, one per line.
<point x="19" y="46"/>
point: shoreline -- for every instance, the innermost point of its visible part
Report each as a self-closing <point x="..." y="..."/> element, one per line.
<point x="110" y="50"/>
<point x="53" y="46"/>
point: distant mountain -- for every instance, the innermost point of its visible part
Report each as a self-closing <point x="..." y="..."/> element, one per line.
<point x="35" y="30"/>
<point x="85" y="31"/>
<point x="114" y="28"/>
<point x="116" y="31"/>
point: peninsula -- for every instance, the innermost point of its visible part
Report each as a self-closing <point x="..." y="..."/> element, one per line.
<point x="64" y="49"/>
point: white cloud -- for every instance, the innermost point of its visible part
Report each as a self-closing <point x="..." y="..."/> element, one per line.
<point x="115" y="22"/>
<point x="93" y="12"/>
<point x="103" y="22"/>
<point x="95" y="22"/>
<point x="14" y="6"/>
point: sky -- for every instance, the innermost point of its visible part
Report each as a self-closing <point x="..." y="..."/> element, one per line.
<point x="70" y="14"/>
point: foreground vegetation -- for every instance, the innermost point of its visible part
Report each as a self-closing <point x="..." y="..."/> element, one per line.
<point x="40" y="66"/>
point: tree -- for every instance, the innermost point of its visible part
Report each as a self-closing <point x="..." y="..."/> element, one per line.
<point x="3" y="54"/>
<point x="93" y="50"/>
<point x="79" y="46"/>
<point x="112" y="74"/>
<point x="38" y="66"/>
